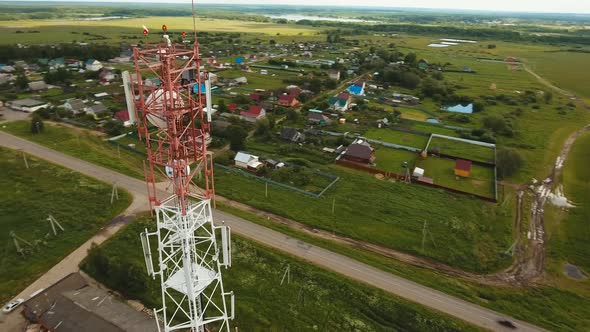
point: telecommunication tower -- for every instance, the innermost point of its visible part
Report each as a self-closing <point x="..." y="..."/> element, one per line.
<point x="170" y="92"/>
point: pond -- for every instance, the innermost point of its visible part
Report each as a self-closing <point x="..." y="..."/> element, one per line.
<point x="432" y="120"/>
<point x="459" y="108"/>
<point x="296" y="17"/>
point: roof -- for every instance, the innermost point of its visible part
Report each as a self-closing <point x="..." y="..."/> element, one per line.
<point x="37" y="85"/>
<point x="359" y="149"/>
<point x="355" y="89"/>
<point x="253" y="111"/>
<point x="27" y="102"/>
<point x="255" y="97"/>
<point x="316" y="116"/>
<point x="343" y="95"/>
<point x="286" y="99"/>
<point x="122" y="115"/>
<point x="289" y="133"/>
<point x="463" y="165"/>
<point x="76" y="104"/>
<point x="337" y="101"/>
<point x="232" y="107"/>
<point x="244" y="157"/>
<point x="91" y="61"/>
<point x="98" y="108"/>
<point x="359" y="83"/>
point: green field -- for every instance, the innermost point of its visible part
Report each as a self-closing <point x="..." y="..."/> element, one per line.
<point x="462" y="150"/>
<point x="441" y="170"/>
<point x="256" y="80"/>
<point x="315" y="299"/>
<point x="83" y="144"/>
<point x="80" y="204"/>
<point x="397" y="137"/>
<point x="391" y="215"/>
<point x="391" y="160"/>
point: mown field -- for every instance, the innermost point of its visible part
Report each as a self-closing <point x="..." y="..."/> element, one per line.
<point x="392" y="160"/>
<point x="397" y="137"/>
<point x="27" y="196"/>
<point x="442" y="171"/>
<point x="462" y="150"/>
<point x="315" y="299"/>
<point x="83" y="144"/>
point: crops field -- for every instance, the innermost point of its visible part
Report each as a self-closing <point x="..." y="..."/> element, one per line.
<point x="313" y="299"/>
<point x="80" y="204"/>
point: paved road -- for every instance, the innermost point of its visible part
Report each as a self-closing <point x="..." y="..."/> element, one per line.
<point x="349" y="267"/>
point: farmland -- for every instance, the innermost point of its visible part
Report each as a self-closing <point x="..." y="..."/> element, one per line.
<point x="312" y="299"/>
<point x="80" y="204"/>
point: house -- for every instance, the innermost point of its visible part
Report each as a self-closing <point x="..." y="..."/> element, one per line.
<point x="37" y="86"/>
<point x="240" y="80"/>
<point x="318" y="118"/>
<point x="292" y="135"/>
<point x="254" y="113"/>
<point x="107" y="75"/>
<point x="73" y="305"/>
<point x="7" y="69"/>
<point x="74" y="105"/>
<point x="340" y="102"/>
<point x="462" y="168"/>
<point x="28" y="105"/>
<point x="334" y="75"/>
<point x="255" y="97"/>
<point x="273" y="164"/>
<point x="360" y="151"/>
<point x="56" y="63"/>
<point x="409" y="99"/>
<point x="93" y="65"/>
<point x="247" y="161"/>
<point x="423" y="64"/>
<point x="232" y="107"/>
<point x="97" y="110"/>
<point x="287" y="101"/>
<point x="382" y="123"/>
<point x="418" y="172"/>
<point x="101" y="95"/>
<point x="357" y="89"/>
<point x="123" y="116"/>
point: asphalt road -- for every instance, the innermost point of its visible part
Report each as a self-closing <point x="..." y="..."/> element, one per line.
<point x="390" y="283"/>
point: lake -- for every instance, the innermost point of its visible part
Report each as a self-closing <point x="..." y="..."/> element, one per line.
<point x="459" y="108"/>
<point x="294" y="17"/>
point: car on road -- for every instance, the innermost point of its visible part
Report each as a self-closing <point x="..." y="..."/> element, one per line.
<point x="507" y="323"/>
<point x="12" y="305"/>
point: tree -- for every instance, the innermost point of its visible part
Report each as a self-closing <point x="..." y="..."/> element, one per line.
<point x="292" y="115"/>
<point x="410" y="80"/>
<point x="262" y="128"/>
<point x="410" y="58"/>
<point x="22" y="82"/>
<point x="37" y="125"/>
<point x="237" y="137"/>
<point x="509" y="161"/>
<point x="221" y="107"/>
<point x="548" y="96"/>
<point x="478" y="107"/>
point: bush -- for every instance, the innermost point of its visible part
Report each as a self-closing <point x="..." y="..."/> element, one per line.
<point x="37" y="125"/>
<point x="508" y="161"/>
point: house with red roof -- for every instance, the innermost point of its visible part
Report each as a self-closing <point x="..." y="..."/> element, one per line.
<point x="253" y="114"/>
<point x="462" y="167"/>
<point x="255" y="97"/>
<point x="232" y="107"/>
<point x="288" y="101"/>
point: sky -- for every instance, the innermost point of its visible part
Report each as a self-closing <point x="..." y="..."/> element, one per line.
<point x="546" y="6"/>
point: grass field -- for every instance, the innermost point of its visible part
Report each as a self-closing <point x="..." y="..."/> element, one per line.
<point x="83" y="144"/>
<point x="480" y="180"/>
<point x="256" y="80"/>
<point x="27" y="196"/>
<point x="397" y="137"/>
<point x="550" y="305"/>
<point x="463" y="150"/>
<point x="391" y="215"/>
<point x="391" y="160"/>
<point x="315" y="299"/>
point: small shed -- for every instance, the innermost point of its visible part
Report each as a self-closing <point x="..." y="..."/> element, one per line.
<point x="418" y="172"/>
<point x="462" y="167"/>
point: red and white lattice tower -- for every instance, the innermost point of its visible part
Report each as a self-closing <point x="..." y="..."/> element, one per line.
<point x="169" y="95"/>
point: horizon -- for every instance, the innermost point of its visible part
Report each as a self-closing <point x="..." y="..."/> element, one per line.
<point x="572" y="7"/>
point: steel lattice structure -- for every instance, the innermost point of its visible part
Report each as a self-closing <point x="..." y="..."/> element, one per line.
<point x="172" y="120"/>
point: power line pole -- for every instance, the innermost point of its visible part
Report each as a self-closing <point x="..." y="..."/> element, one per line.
<point x="25" y="159"/>
<point x="114" y="193"/>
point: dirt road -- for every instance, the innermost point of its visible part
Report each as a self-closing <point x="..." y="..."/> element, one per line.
<point x="351" y="268"/>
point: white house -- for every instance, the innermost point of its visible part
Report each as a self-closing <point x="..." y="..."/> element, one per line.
<point x="247" y="161"/>
<point x="75" y="105"/>
<point x="93" y="65"/>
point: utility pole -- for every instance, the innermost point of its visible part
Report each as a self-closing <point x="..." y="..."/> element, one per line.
<point x="114" y="193"/>
<point x="25" y="159"/>
<point x="53" y="222"/>
<point x="423" y="235"/>
<point x="333" y="205"/>
<point x="265" y="189"/>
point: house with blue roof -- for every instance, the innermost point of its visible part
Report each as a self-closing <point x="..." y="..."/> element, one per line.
<point x="340" y="102"/>
<point x="93" y="65"/>
<point x="357" y="89"/>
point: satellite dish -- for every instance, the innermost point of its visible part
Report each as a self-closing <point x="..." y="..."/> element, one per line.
<point x="156" y="101"/>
